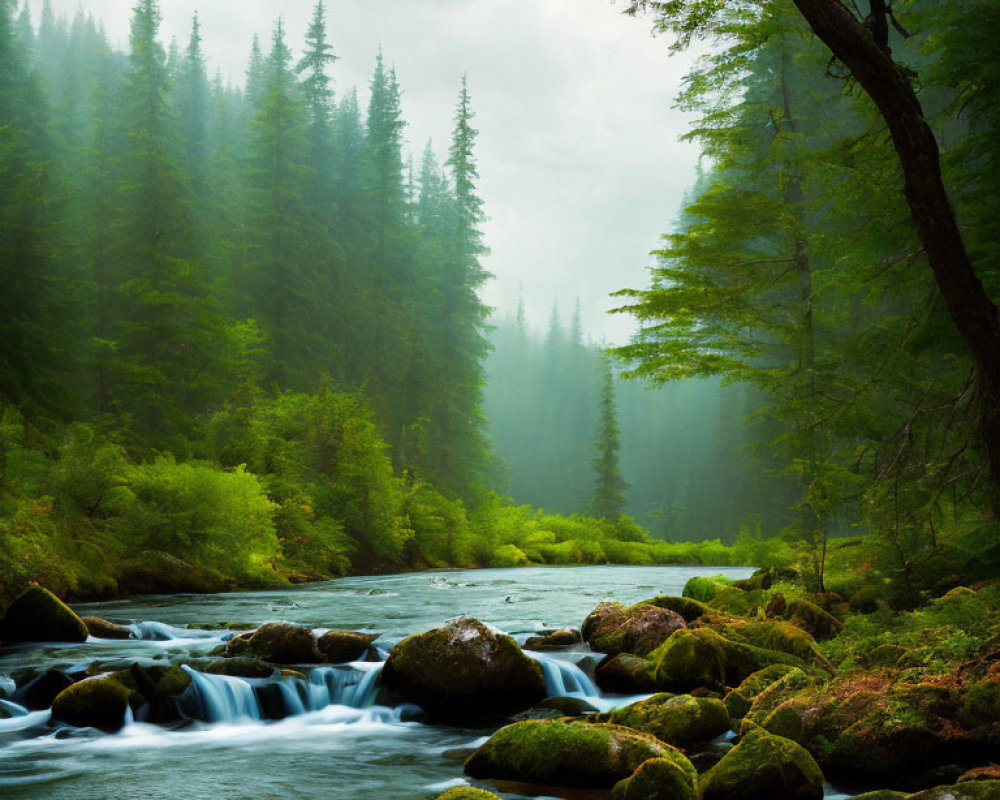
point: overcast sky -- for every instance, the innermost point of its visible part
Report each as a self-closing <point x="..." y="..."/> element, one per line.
<point x="581" y="168"/>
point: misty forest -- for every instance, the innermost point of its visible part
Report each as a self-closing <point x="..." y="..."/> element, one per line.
<point x="330" y="524"/>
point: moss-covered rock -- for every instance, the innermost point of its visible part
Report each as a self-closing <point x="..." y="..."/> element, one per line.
<point x="95" y="703"/>
<point x="626" y="674"/>
<point x="602" y="620"/>
<point x="866" y="728"/>
<point x="739" y="700"/>
<point x="37" y="615"/>
<point x="688" y="660"/>
<point x="467" y="793"/>
<point x="237" y="667"/>
<point x="820" y="624"/>
<point x="770" y="697"/>
<point x="340" y="647"/>
<point x="641" y="630"/>
<point x="564" y="753"/>
<point x="885" y="655"/>
<point x="656" y="779"/>
<point x="158" y="686"/>
<point x="776" y="635"/>
<point x="762" y="767"/>
<point x="680" y="720"/>
<point x="966" y="790"/>
<point x="464" y="670"/>
<point x="689" y="608"/>
<point x="103" y="629"/>
<point x="557" y="640"/>
<point x="278" y="642"/>
<point x="701" y="657"/>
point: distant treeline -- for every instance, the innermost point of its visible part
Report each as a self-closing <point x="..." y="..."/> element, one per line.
<point x="686" y="451"/>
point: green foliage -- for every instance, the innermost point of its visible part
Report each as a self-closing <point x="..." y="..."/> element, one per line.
<point x="217" y="518"/>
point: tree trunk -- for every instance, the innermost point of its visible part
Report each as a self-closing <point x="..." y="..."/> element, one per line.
<point x="971" y="309"/>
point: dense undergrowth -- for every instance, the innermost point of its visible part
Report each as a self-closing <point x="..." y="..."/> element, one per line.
<point x="298" y="487"/>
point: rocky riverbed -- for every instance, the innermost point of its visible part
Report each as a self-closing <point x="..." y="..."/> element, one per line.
<point x="637" y="683"/>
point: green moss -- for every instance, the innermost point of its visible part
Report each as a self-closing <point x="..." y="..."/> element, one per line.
<point x="690" y="659"/>
<point x="779" y="636"/>
<point x="95" y="703"/>
<point x="687" y="607"/>
<point x="680" y="720"/>
<point x="568" y="754"/>
<point x="656" y="779"/>
<point x="37" y="615"/>
<point x="467" y="793"/>
<point x="763" y="765"/>
<point x="739" y="700"/>
<point x="238" y="667"/>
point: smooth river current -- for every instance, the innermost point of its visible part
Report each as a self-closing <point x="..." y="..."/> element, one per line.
<point x="336" y="741"/>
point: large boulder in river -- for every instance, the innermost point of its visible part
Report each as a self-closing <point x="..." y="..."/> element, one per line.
<point x="680" y="720"/>
<point x="339" y="647"/>
<point x="464" y="670"/>
<point x="279" y="643"/>
<point x="37" y="615"/>
<point x="763" y="767"/>
<point x="740" y="699"/>
<point x="99" y="702"/>
<point x="657" y="779"/>
<point x="561" y="753"/>
<point x="639" y="630"/>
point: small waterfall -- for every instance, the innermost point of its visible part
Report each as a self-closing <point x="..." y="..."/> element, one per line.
<point x="221" y="698"/>
<point x="564" y="679"/>
<point x="356" y="688"/>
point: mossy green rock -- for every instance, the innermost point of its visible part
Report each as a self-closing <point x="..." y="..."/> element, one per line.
<point x="37" y="615"/>
<point x="701" y="657"/>
<point x="680" y="720"/>
<point x="689" y="608"/>
<point x="467" y="793"/>
<point x="966" y="790"/>
<point x="103" y="629"/>
<point x="739" y="700"/>
<point x="763" y="767"/>
<point x="820" y="624"/>
<point x="690" y="659"/>
<point x="95" y="703"/>
<point x="279" y="643"/>
<point x="626" y="674"/>
<point x="464" y="670"/>
<point x="557" y="640"/>
<point x="656" y="779"/>
<point x="602" y="620"/>
<point x="238" y="668"/>
<point x="339" y="647"/>
<point x="779" y="636"/>
<point x="561" y="753"/>
<point x="641" y="630"/>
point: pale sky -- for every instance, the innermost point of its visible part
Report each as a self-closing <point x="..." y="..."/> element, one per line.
<point x="580" y="166"/>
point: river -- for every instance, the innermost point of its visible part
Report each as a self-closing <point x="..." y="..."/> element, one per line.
<point x="339" y="742"/>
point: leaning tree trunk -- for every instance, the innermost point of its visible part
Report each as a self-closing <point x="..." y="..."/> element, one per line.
<point x="864" y="50"/>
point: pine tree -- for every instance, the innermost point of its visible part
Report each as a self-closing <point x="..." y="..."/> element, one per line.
<point x="608" y="499"/>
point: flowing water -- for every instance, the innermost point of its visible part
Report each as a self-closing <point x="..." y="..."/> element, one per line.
<point x="326" y="735"/>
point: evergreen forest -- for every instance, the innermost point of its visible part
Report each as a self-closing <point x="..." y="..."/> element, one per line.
<point x="328" y="515"/>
